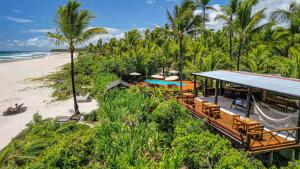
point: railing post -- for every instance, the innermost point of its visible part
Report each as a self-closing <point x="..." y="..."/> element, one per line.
<point x="248" y="141"/>
<point x="217" y="91"/>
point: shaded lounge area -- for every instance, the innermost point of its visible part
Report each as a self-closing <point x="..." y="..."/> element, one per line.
<point x="237" y="95"/>
<point x="242" y="106"/>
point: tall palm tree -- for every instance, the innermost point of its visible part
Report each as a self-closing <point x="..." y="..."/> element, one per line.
<point x="183" y="22"/>
<point x="203" y="6"/>
<point x="247" y="24"/>
<point x="72" y="30"/>
<point x="229" y="12"/>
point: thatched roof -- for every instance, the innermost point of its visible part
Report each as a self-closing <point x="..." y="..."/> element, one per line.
<point x="117" y="84"/>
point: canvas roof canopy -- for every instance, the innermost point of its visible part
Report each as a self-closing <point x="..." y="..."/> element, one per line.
<point x="286" y="86"/>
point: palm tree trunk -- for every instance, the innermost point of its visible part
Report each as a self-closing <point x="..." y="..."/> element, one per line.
<point x="181" y="64"/>
<point x="230" y="45"/>
<point x="73" y="82"/>
<point x="239" y="55"/>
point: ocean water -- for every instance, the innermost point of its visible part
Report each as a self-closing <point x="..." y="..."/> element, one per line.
<point x="17" y="55"/>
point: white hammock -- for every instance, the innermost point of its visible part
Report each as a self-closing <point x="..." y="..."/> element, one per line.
<point x="270" y="121"/>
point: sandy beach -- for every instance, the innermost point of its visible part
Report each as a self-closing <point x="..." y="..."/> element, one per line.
<point x="16" y="87"/>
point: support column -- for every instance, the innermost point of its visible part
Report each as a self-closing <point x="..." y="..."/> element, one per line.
<point x="270" y="160"/>
<point x="220" y="88"/>
<point x="205" y="87"/>
<point x="195" y="86"/>
<point x="217" y="91"/>
<point x="298" y="124"/>
<point x="248" y="108"/>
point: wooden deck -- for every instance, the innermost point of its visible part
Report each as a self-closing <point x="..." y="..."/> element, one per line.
<point x="253" y="142"/>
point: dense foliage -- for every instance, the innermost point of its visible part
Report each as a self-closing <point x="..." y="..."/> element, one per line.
<point x="263" y="48"/>
<point x="136" y="128"/>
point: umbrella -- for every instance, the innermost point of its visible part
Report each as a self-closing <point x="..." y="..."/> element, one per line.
<point x="157" y="77"/>
<point x="174" y="71"/>
<point x="134" y="74"/>
<point x="172" y="78"/>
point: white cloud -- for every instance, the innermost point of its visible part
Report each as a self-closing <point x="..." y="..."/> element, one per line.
<point x="150" y="1"/>
<point x="40" y="30"/>
<point x="16" y="10"/>
<point x="212" y="14"/>
<point x="270" y="6"/>
<point x="18" y="20"/>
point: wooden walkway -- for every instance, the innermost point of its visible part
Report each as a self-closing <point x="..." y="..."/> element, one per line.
<point x="254" y="142"/>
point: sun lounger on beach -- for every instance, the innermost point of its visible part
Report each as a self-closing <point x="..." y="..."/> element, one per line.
<point x="64" y="119"/>
<point x="14" y="110"/>
<point x="83" y="99"/>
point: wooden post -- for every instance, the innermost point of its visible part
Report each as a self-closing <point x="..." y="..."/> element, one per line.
<point x="297" y="151"/>
<point x="248" y="108"/>
<point x="248" y="141"/>
<point x="205" y="88"/>
<point x="217" y="91"/>
<point x="270" y="160"/>
<point x="195" y="86"/>
<point x="298" y="124"/>
<point x="220" y="88"/>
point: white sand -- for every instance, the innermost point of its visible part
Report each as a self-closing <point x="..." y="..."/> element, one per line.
<point x="16" y="88"/>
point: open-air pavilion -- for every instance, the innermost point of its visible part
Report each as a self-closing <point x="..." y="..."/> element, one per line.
<point x="250" y="83"/>
<point x="233" y="115"/>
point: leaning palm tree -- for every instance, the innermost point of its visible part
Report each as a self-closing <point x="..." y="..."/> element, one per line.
<point x="183" y="22"/>
<point x="72" y="30"/>
<point x="229" y="12"/>
<point x="247" y="24"/>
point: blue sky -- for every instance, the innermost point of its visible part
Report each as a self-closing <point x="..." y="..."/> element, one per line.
<point x="24" y="23"/>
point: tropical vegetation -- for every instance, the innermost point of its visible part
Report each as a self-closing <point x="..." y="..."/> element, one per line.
<point x="137" y="127"/>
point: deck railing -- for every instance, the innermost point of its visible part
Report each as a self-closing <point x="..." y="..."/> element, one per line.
<point x="273" y="138"/>
<point x="252" y="141"/>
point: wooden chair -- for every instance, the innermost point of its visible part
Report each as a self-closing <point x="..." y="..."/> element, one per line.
<point x="235" y="124"/>
<point x="257" y="129"/>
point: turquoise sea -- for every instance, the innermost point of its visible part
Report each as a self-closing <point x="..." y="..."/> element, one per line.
<point x="17" y="55"/>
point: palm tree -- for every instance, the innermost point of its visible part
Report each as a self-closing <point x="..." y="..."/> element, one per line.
<point x="203" y="6"/>
<point x="229" y="13"/>
<point x="290" y="16"/>
<point x="183" y="22"/>
<point x="72" y="30"/>
<point x="247" y="23"/>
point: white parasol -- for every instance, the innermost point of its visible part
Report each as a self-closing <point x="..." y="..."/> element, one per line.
<point x="157" y="77"/>
<point x="172" y="78"/>
<point x="134" y="74"/>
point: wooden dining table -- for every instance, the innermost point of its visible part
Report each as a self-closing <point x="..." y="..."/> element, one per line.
<point x="187" y="96"/>
<point x="211" y="109"/>
<point x="247" y="123"/>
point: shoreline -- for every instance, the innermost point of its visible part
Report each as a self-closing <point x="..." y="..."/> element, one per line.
<point x="16" y="87"/>
<point x="31" y="58"/>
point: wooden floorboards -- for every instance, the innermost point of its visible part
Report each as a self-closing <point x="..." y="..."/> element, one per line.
<point x="270" y="141"/>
